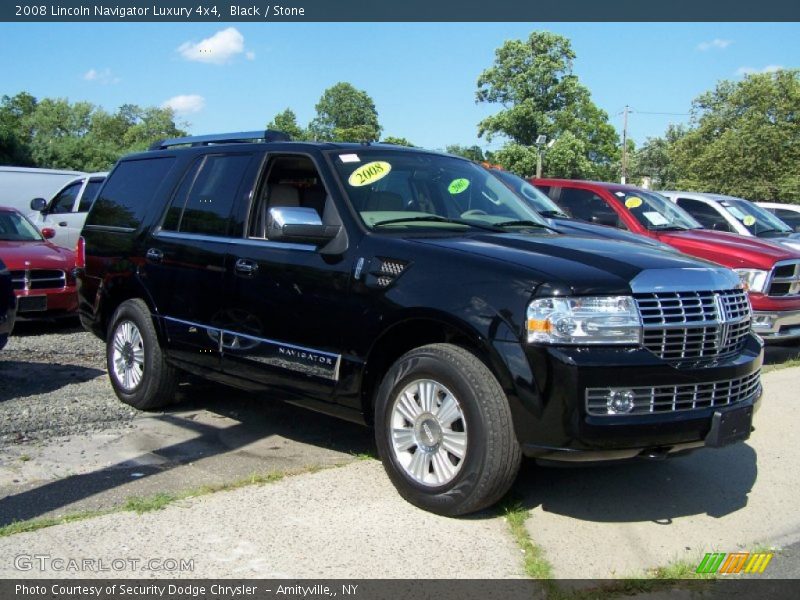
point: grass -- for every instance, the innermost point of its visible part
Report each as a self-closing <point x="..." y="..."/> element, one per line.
<point x="535" y="564"/>
<point x="794" y="362"/>
<point x="160" y="500"/>
<point x="24" y="458"/>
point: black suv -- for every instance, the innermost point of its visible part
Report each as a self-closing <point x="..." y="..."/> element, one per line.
<point x="415" y="292"/>
<point x="8" y="305"/>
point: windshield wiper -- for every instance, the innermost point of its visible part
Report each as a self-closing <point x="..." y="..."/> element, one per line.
<point x="670" y="228"/>
<point x="524" y="223"/>
<point x="763" y="231"/>
<point x="438" y="219"/>
<point x="557" y="214"/>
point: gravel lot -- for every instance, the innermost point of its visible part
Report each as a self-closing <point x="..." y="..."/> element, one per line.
<point x="53" y="383"/>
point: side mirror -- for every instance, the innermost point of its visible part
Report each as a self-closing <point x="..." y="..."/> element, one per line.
<point x="38" y="204"/>
<point x="48" y="233"/>
<point x="605" y="219"/>
<point x="298" y="224"/>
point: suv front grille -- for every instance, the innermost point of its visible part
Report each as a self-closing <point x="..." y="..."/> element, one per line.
<point x="38" y="279"/>
<point x="785" y="280"/>
<point x="694" y="326"/>
<point x="673" y="398"/>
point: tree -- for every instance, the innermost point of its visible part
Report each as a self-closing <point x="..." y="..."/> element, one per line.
<point x="286" y="121"/>
<point x="471" y="152"/>
<point x="56" y="133"/>
<point x="744" y="139"/>
<point x="345" y="114"/>
<point x="655" y="160"/>
<point x="397" y="141"/>
<point x="540" y="95"/>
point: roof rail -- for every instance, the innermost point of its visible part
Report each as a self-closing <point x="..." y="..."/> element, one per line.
<point x="267" y="135"/>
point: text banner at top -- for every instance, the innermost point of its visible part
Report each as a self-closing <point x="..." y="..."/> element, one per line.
<point x="398" y="10"/>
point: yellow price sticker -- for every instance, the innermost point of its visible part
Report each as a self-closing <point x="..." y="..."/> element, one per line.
<point x="749" y="220"/>
<point x="369" y="173"/>
<point x="633" y="202"/>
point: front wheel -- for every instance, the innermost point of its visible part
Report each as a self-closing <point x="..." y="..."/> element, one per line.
<point x="136" y="364"/>
<point x="444" y="431"/>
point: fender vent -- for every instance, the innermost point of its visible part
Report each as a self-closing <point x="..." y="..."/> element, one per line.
<point x="389" y="270"/>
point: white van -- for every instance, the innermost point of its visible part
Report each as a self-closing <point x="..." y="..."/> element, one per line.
<point x="20" y="185"/>
<point x="66" y="212"/>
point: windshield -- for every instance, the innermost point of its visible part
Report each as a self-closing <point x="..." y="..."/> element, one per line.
<point x="16" y="228"/>
<point x="401" y="189"/>
<point x="537" y="200"/>
<point x="655" y="212"/>
<point x="757" y="220"/>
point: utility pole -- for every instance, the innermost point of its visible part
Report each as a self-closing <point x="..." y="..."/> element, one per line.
<point x="625" y="144"/>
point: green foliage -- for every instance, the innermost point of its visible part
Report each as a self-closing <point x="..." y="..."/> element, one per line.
<point x="286" y="121"/>
<point x="654" y="160"/>
<point x="345" y="114"/>
<point x="533" y="81"/>
<point x="471" y="152"/>
<point x="55" y="133"/>
<point x="744" y="139"/>
<point x="397" y="141"/>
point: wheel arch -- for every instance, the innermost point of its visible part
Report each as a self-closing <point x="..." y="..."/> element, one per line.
<point x="418" y="329"/>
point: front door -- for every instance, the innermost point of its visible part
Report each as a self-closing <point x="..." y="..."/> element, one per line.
<point x="284" y="301"/>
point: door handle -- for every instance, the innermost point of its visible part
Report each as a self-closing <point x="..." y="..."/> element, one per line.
<point x="246" y="267"/>
<point x="62" y="224"/>
<point x="154" y="255"/>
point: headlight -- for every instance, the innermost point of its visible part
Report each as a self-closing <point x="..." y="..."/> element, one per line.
<point x="584" y="320"/>
<point x="754" y="280"/>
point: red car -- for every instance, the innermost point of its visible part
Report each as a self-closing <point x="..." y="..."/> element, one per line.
<point x="41" y="272"/>
<point x="771" y="272"/>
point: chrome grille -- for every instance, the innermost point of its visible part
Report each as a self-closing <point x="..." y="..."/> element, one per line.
<point x="785" y="279"/>
<point x="673" y="398"/>
<point x="38" y="279"/>
<point x="694" y="326"/>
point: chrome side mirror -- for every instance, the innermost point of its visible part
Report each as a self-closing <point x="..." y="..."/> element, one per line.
<point x="298" y="224"/>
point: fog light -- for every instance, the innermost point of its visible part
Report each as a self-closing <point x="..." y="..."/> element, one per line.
<point x="620" y="401"/>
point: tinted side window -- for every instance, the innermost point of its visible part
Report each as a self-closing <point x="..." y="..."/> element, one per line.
<point x="207" y="194"/>
<point x="129" y="190"/>
<point x="790" y="217"/>
<point x="89" y="194"/>
<point x="587" y="206"/>
<point x="705" y="214"/>
<point x="65" y="199"/>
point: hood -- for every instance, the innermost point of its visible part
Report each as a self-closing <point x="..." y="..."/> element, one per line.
<point x="574" y="226"/>
<point x="572" y="264"/>
<point x="792" y="242"/>
<point x="729" y="249"/>
<point x="37" y="255"/>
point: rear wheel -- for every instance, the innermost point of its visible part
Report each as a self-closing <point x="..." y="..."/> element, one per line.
<point x="136" y="364"/>
<point x="444" y="431"/>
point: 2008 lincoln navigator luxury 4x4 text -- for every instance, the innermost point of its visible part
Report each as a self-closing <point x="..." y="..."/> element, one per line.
<point x="415" y="292"/>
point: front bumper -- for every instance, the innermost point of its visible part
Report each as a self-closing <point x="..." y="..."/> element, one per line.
<point x="552" y="420"/>
<point x="777" y="325"/>
<point x="47" y="303"/>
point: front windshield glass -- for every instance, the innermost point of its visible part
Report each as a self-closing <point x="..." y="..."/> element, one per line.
<point x="655" y="212"/>
<point x="757" y="220"/>
<point x="393" y="189"/>
<point x="536" y="199"/>
<point x="16" y="228"/>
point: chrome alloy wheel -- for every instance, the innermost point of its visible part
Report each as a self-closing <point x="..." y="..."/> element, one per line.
<point x="428" y="432"/>
<point x="128" y="355"/>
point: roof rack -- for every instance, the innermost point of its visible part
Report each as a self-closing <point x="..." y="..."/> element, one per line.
<point x="240" y="137"/>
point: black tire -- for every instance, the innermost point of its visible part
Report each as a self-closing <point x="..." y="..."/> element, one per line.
<point x="492" y="458"/>
<point x="159" y="380"/>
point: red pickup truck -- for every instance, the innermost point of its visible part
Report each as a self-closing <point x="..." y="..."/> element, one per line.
<point x="770" y="272"/>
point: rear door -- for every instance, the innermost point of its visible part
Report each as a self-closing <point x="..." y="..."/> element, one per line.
<point x="185" y="256"/>
<point x="60" y="215"/>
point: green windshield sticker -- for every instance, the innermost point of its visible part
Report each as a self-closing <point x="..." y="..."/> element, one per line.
<point x="749" y="220"/>
<point x="458" y="185"/>
<point x="369" y="173"/>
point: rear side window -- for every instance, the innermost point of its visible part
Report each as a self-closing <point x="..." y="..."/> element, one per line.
<point x="206" y="196"/>
<point x="129" y="190"/>
<point x="89" y="194"/>
<point x="707" y="215"/>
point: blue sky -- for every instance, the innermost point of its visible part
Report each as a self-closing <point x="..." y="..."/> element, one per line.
<point x="421" y="75"/>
